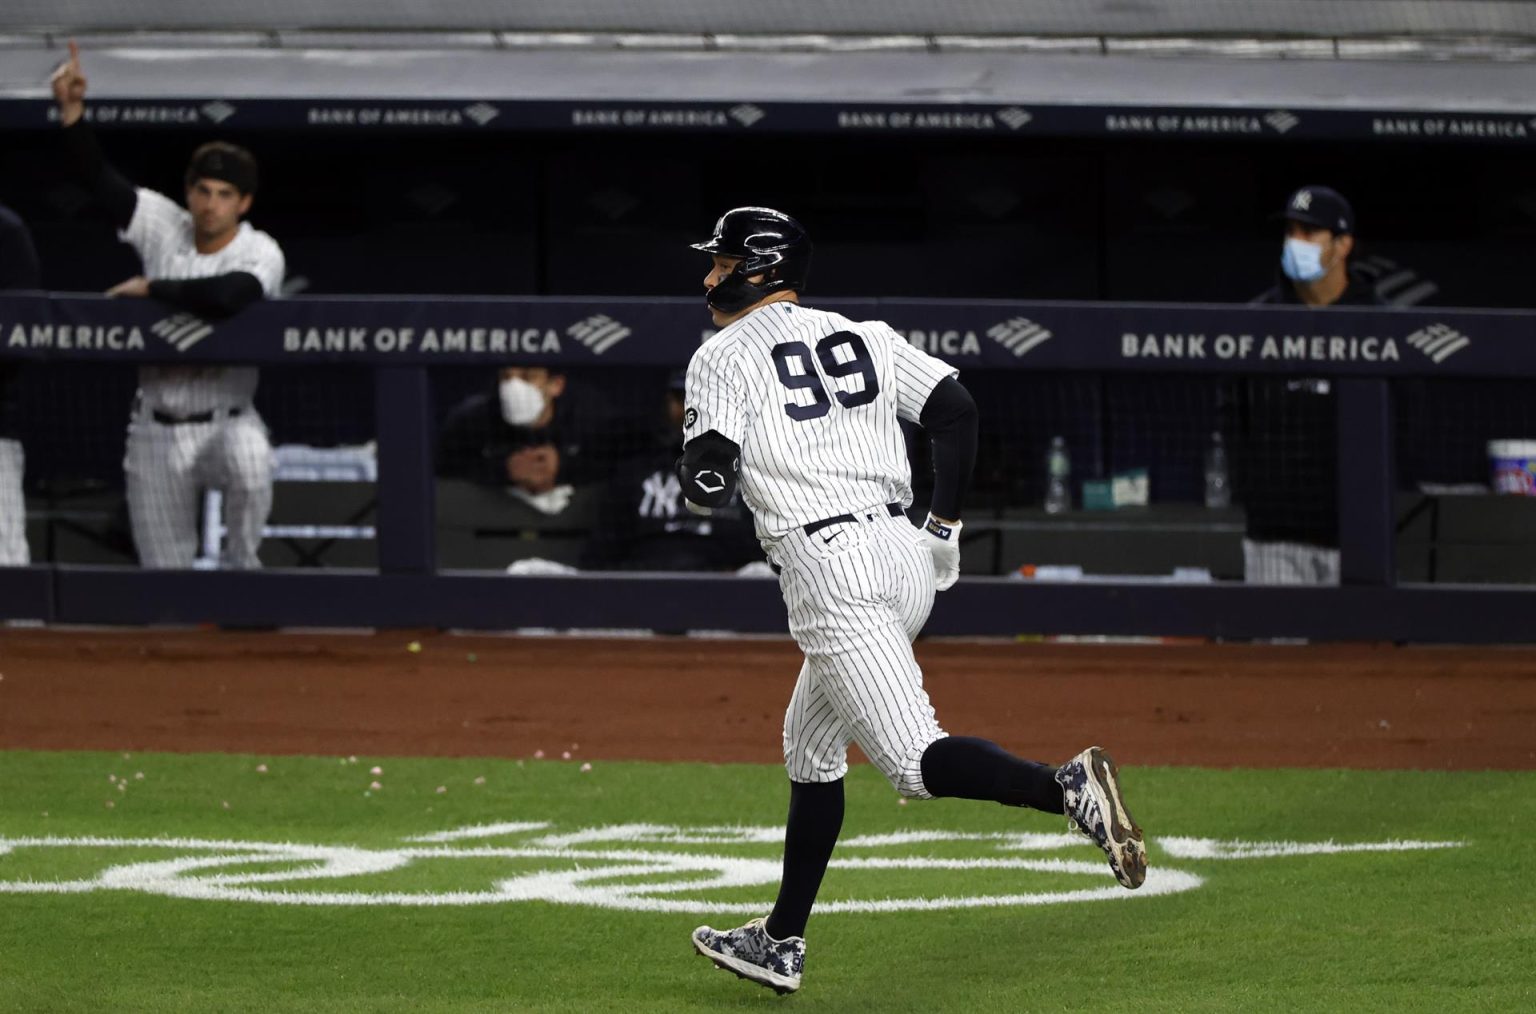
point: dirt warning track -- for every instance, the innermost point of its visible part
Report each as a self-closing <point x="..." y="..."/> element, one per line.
<point x="723" y="700"/>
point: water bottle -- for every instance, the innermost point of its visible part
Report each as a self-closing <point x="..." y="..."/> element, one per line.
<point x="1218" y="482"/>
<point x="1058" y="477"/>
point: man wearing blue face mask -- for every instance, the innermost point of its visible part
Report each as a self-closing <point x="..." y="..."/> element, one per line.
<point x="1283" y="429"/>
<point x="1314" y="257"/>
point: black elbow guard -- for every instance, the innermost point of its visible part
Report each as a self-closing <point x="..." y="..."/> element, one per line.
<point x="707" y="469"/>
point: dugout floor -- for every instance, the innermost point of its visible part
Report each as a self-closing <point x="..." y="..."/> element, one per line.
<point x="1362" y="706"/>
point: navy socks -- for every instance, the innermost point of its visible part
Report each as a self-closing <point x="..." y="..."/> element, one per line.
<point x="965" y="767"/>
<point x="815" y="820"/>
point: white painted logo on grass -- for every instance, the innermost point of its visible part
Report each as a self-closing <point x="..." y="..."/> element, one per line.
<point x="660" y="871"/>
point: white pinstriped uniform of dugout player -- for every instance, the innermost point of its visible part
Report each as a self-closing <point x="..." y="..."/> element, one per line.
<point x="799" y="408"/>
<point x="191" y="427"/>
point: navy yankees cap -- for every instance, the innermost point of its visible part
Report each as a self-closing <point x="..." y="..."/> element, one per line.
<point x="219" y="160"/>
<point x="1323" y="207"/>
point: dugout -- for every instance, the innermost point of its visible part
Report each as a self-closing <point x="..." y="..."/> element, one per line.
<point x="933" y="168"/>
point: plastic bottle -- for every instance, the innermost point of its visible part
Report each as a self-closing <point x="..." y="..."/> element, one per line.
<point x="1058" y="477"/>
<point x="1218" y="481"/>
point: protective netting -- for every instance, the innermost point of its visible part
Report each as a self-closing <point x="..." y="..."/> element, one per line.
<point x="1194" y="477"/>
<point x="284" y="479"/>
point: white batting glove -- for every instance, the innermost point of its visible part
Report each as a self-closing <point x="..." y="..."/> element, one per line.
<point x="943" y="541"/>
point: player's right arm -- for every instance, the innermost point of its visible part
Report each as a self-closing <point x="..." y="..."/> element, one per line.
<point x="714" y="426"/>
<point x="85" y="161"/>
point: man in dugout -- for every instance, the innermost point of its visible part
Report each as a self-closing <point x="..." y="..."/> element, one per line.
<point x="191" y="427"/>
<point x="1283" y="429"/>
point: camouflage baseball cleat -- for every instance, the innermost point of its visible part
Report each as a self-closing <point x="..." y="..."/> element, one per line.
<point x="752" y="954"/>
<point x="1090" y="785"/>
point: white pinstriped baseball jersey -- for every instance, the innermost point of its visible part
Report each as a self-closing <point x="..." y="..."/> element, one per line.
<point x="161" y="232"/>
<point x="812" y="399"/>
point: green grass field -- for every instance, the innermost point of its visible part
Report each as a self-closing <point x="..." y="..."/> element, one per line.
<point x="305" y="891"/>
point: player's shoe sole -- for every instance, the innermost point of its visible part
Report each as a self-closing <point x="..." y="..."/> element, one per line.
<point x="744" y="969"/>
<point x="1115" y="830"/>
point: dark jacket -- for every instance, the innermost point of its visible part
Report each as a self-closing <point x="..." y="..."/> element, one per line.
<point x="644" y="524"/>
<point x="475" y="440"/>
<point x="18" y="270"/>
<point x="1284" y="437"/>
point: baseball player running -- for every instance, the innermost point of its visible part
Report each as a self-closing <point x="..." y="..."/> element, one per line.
<point x="190" y="427"/>
<point x="799" y="408"/>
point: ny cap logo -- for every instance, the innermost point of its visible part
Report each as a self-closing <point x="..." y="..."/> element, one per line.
<point x="1302" y="201"/>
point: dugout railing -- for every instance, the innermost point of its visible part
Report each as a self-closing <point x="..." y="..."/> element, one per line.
<point x="1361" y="351"/>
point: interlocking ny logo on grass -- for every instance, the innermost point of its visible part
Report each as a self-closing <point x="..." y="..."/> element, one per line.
<point x="634" y="867"/>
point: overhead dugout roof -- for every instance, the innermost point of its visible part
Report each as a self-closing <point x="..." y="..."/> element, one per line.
<point x="1479" y="89"/>
<point x="1311" y="18"/>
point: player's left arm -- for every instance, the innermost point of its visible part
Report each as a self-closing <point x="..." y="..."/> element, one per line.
<point x="256" y="274"/>
<point x="927" y="392"/>
<point x="949" y="419"/>
<point x="215" y="296"/>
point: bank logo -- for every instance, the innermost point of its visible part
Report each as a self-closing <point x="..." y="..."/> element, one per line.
<point x="598" y="332"/>
<point x="1281" y="121"/>
<point x="746" y="114"/>
<point x="182" y="330"/>
<point x="1013" y="117"/>
<point x="481" y="113"/>
<point x="218" y="110"/>
<point x="1438" y="341"/>
<point x="656" y="868"/>
<point x="1018" y="335"/>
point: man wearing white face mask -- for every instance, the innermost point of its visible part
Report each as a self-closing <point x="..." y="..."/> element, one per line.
<point x="529" y="433"/>
<point x="1283" y="429"/>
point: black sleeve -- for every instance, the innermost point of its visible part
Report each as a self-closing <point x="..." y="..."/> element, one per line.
<point x="473" y="445"/>
<point x="18" y="257"/>
<point x="89" y="166"/>
<point x="217" y="296"/>
<point x="949" y="417"/>
<point x="707" y="469"/>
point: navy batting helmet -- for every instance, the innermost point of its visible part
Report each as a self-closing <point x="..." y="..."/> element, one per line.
<point x="769" y="243"/>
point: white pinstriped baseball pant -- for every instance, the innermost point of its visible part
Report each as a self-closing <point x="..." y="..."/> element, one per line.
<point x="13" y="506"/>
<point x="858" y="593"/>
<point x="168" y="466"/>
